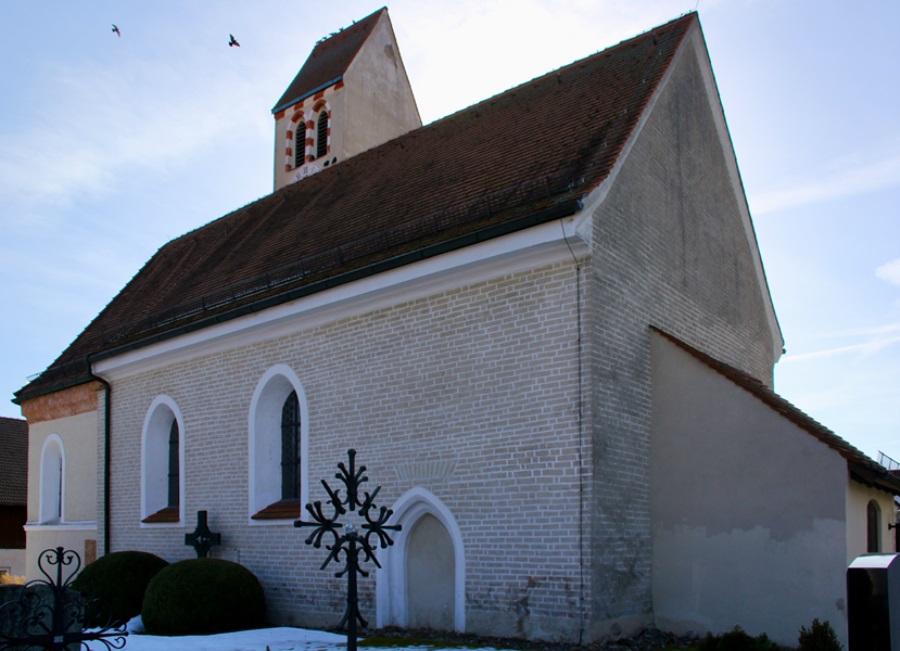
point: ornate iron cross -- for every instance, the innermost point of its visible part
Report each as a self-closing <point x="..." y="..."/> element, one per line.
<point x="49" y="614"/>
<point x="202" y="539"/>
<point x="351" y="542"/>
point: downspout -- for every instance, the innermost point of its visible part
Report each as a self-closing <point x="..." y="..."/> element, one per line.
<point x="580" y="350"/>
<point x="107" y="410"/>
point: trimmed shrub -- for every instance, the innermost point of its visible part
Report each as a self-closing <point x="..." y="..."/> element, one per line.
<point x="819" y="637"/>
<point x="203" y="596"/>
<point x="118" y="581"/>
<point x="737" y="640"/>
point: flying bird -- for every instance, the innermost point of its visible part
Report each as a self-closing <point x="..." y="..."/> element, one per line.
<point x="116" y="30"/>
<point x="232" y="41"/>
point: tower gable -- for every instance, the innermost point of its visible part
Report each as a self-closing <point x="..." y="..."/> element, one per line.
<point x="352" y="94"/>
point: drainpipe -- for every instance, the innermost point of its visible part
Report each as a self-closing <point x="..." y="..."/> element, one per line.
<point x="107" y="410"/>
<point x="580" y="349"/>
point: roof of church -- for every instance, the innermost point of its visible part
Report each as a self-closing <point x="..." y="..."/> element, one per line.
<point x="328" y="61"/>
<point x="13" y="461"/>
<point x="863" y="467"/>
<point x="517" y="159"/>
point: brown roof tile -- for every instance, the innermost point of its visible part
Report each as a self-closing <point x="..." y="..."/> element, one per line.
<point x="861" y="466"/>
<point x="328" y="61"/>
<point x="518" y="158"/>
<point x="13" y="461"/>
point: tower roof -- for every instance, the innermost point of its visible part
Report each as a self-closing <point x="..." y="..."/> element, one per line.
<point x="328" y="61"/>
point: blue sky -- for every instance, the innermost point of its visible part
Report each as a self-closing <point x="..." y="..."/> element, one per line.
<point x="110" y="146"/>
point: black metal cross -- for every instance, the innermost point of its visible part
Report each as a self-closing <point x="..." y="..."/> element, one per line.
<point x="49" y="614"/>
<point x="352" y="541"/>
<point x="202" y="539"/>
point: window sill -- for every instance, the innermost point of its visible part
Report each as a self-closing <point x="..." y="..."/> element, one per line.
<point x="167" y="515"/>
<point x="280" y="510"/>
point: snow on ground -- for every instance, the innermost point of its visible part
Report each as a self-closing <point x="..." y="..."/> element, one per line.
<point x="273" y="639"/>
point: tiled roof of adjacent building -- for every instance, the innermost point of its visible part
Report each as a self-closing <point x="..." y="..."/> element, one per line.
<point x="13" y="461"/>
<point x="862" y="467"/>
<point x="328" y="61"/>
<point x="519" y="158"/>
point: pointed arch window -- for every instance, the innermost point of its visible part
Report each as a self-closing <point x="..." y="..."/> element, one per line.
<point x="162" y="462"/>
<point x="174" y="467"/>
<point x="278" y="444"/>
<point x="322" y="135"/>
<point x="52" y="480"/>
<point x="300" y="144"/>
<point x="290" y="448"/>
<point x="873" y="528"/>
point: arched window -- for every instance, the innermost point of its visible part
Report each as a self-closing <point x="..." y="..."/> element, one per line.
<point x="52" y="480"/>
<point x="162" y="460"/>
<point x="300" y="144"/>
<point x="174" y="467"/>
<point x="277" y="447"/>
<point x="873" y="527"/>
<point x="290" y="448"/>
<point x="322" y="135"/>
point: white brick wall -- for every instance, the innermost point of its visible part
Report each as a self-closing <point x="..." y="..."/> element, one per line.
<point x="477" y="380"/>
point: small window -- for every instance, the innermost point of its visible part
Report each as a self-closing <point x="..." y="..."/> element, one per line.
<point x="300" y="144"/>
<point x="873" y="528"/>
<point x="322" y="135"/>
<point x="162" y="451"/>
<point x="278" y="439"/>
<point x="290" y="448"/>
<point x="174" y="492"/>
<point x="52" y="480"/>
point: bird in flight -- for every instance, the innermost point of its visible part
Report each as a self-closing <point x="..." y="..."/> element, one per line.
<point x="232" y="41"/>
<point x="116" y="31"/>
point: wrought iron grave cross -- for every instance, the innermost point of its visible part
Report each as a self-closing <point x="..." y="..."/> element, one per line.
<point x="352" y="541"/>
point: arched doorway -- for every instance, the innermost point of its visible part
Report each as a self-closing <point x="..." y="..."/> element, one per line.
<point x="422" y="580"/>
<point x="430" y="576"/>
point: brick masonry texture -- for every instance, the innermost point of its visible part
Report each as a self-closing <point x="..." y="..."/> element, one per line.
<point x="61" y="404"/>
<point x="483" y="380"/>
<point x="669" y="250"/>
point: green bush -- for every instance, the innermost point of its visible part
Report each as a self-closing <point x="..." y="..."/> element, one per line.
<point x="819" y="637"/>
<point x="203" y="596"/>
<point x="118" y="581"/>
<point x="737" y="640"/>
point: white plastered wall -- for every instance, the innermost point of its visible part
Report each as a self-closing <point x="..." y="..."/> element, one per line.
<point x="858" y="498"/>
<point x="748" y="510"/>
<point x="77" y="437"/>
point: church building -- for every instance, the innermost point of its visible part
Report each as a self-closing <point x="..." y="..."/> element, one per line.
<point x="543" y="324"/>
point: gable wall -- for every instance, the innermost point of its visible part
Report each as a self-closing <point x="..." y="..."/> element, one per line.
<point x="378" y="104"/>
<point x="669" y="248"/>
<point x="471" y="394"/>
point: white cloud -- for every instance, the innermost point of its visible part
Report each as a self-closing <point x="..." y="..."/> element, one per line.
<point x="849" y="178"/>
<point x="890" y="272"/>
<point x="115" y="124"/>
<point x="864" y="348"/>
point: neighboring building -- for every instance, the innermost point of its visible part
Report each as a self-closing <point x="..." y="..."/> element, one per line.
<point x="13" y="494"/>
<point x="543" y="324"/>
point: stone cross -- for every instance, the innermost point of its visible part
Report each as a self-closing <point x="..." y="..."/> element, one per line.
<point x="202" y="539"/>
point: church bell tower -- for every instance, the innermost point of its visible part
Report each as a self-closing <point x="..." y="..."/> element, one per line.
<point x="352" y="94"/>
